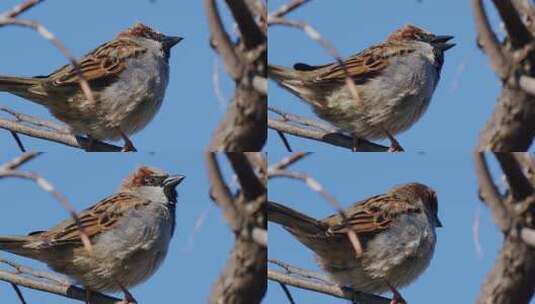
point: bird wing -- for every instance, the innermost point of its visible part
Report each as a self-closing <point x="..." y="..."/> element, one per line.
<point x="362" y="66"/>
<point x="107" y="60"/>
<point x="94" y="220"/>
<point x="370" y="216"/>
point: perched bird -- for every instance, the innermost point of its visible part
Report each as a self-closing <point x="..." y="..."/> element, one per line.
<point x="127" y="75"/>
<point x="396" y="231"/>
<point x="394" y="80"/>
<point x="129" y="233"/>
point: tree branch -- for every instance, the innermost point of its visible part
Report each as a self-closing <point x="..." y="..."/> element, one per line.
<point x="488" y="40"/>
<point x="68" y="291"/>
<point x="511" y="279"/>
<point x="332" y="290"/>
<point x="54" y="136"/>
<point x="335" y="139"/>
<point x="516" y="29"/>
<point x="243" y="280"/>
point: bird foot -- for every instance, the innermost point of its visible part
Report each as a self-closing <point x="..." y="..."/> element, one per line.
<point x="397" y="298"/>
<point x="128" y="298"/>
<point x="128" y="144"/>
<point x="394" y="144"/>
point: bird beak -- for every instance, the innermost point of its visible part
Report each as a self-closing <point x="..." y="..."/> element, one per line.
<point x="437" y="222"/>
<point x="440" y="42"/>
<point x="173" y="180"/>
<point x="171" y="41"/>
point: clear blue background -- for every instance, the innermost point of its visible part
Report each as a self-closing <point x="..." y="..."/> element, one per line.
<point x="198" y="251"/>
<point x="457" y="269"/>
<point x="463" y="100"/>
<point x="190" y="111"/>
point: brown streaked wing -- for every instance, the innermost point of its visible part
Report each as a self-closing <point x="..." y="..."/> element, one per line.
<point x="106" y="60"/>
<point x="94" y="220"/>
<point x="364" y="65"/>
<point x="369" y="218"/>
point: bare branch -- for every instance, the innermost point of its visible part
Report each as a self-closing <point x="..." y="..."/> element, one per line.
<point x="519" y="185"/>
<point x="243" y="280"/>
<point x="287" y="8"/>
<point x="317" y="187"/>
<point x="19" y="161"/>
<point x="21" y="8"/>
<point x="517" y="31"/>
<point x="316" y="36"/>
<point x="332" y="290"/>
<point x="19" y="293"/>
<point x="527" y="84"/>
<point x="489" y="192"/>
<point x="68" y="291"/>
<point x="221" y="193"/>
<point x="249" y="181"/>
<point x="62" y="138"/>
<point x="36" y="121"/>
<point x="45" y="33"/>
<point x="288" y="161"/>
<point x="489" y="41"/>
<point x="222" y="42"/>
<point x="250" y="31"/>
<point x="336" y="139"/>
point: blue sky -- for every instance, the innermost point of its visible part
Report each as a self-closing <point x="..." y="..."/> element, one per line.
<point x="198" y="251"/>
<point x="463" y="100"/>
<point x="457" y="269"/>
<point x="190" y="111"/>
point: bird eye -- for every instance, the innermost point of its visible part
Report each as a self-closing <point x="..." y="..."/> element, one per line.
<point x="152" y="180"/>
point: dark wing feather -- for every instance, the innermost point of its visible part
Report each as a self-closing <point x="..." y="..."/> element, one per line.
<point x="94" y="220"/>
<point x="366" y="218"/>
<point x="362" y="66"/>
<point x="107" y="60"/>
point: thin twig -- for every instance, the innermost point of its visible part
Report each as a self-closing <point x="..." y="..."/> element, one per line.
<point x="36" y="273"/>
<point x="287" y="8"/>
<point x="488" y="40"/>
<point x="222" y="42"/>
<point x="19" y="293"/>
<point x="20" y="8"/>
<point x="19" y="161"/>
<point x="45" y="33"/>
<point x="284" y="141"/>
<point x="68" y="291"/>
<point x="8" y="171"/>
<point x="288" y="161"/>
<point x="36" y="121"/>
<point x="317" y="187"/>
<point x="18" y="141"/>
<point x="303" y="121"/>
<point x="333" y="138"/>
<point x="329" y="47"/>
<point x="304" y="273"/>
<point x="54" y="136"/>
<point x="489" y="192"/>
<point x="332" y="290"/>
<point x="287" y="292"/>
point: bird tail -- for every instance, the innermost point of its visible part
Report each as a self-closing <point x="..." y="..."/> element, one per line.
<point x="293" y="220"/>
<point x="16" y="245"/>
<point x="280" y="73"/>
<point x="16" y="84"/>
<point x="295" y="81"/>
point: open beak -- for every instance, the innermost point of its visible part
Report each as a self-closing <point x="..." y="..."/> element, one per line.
<point x="173" y="180"/>
<point x="171" y="41"/>
<point x="441" y="42"/>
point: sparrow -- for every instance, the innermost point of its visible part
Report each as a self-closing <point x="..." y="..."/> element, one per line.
<point x="395" y="229"/>
<point x="128" y="77"/>
<point x="394" y="82"/>
<point x="129" y="232"/>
